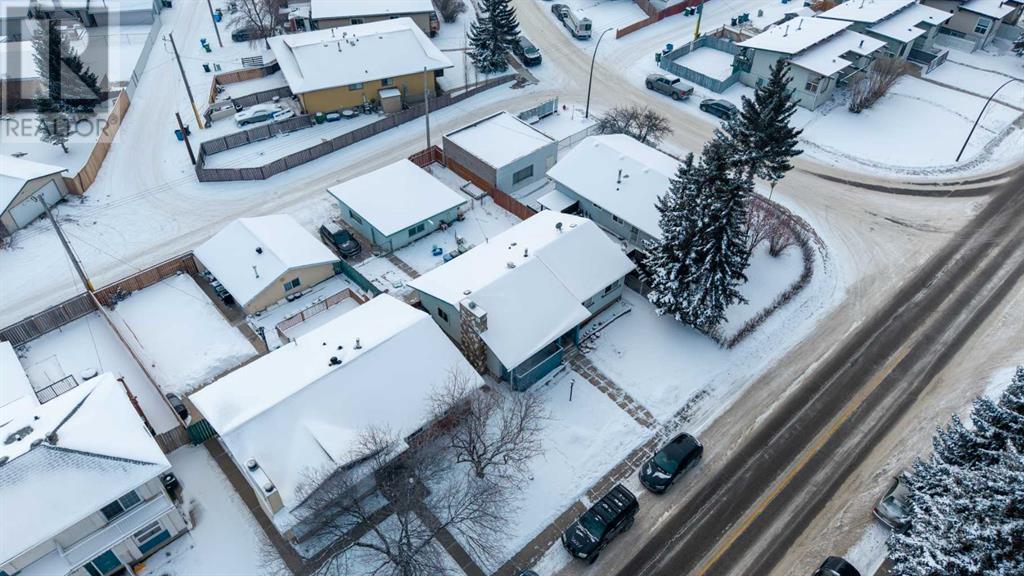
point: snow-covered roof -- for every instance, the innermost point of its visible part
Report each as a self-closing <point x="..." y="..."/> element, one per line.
<point x="14" y="383"/>
<point x="101" y="450"/>
<point x="16" y="9"/>
<point x="349" y="8"/>
<point x="17" y="61"/>
<point x="580" y="256"/>
<point x="774" y="12"/>
<point x="991" y="8"/>
<point x="826" y="58"/>
<point x="903" y="26"/>
<point x="346" y="55"/>
<point x="294" y="412"/>
<point x="231" y="254"/>
<point x="555" y="200"/>
<point x="499" y="139"/>
<point x="99" y="6"/>
<point x="396" y="196"/>
<point x="866" y="11"/>
<point x="592" y="170"/>
<point x="796" y="35"/>
<point x="16" y="172"/>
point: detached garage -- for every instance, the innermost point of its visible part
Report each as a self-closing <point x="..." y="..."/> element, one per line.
<point x="20" y="180"/>
<point x="506" y="152"/>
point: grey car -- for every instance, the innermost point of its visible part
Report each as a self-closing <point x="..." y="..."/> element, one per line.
<point x="722" y="108"/>
<point x="893" y="509"/>
<point x="674" y="88"/>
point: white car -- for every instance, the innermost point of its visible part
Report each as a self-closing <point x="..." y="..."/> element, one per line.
<point x="262" y="113"/>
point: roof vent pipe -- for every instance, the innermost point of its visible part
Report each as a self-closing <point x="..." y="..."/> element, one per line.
<point x="800" y="24"/>
<point x="861" y="44"/>
<point x="526" y="252"/>
<point x="259" y="250"/>
<point x="251" y="464"/>
<point x="334" y="361"/>
<point x="255" y="271"/>
<point x="558" y="226"/>
<point x="786" y="33"/>
<point x="510" y="265"/>
<point x="358" y="345"/>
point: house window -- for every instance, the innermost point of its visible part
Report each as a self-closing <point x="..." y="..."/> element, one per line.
<point x="812" y="84"/>
<point x="417" y="229"/>
<point x="356" y="86"/>
<point x="611" y="287"/>
<point x="119" y="506"/>
<point x="442" y="314"/>
<point x="106" y="563"/>
<point x="354" y="216"/>
<point x="150" y="537"/>
<point x="983" y="25"/>
<point x="617" y="220"/>
<point x="387" y="82"/>
<point x="356" y="20"/>
<point x="520" y="175"/>
<point x="291" y="284"/>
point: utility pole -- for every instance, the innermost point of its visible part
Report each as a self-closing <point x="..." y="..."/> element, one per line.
<point x="184" y="78"/>
<point x="426" y="106"/>
<point x="700" y="13"/>
<point x="215" y="27"/>
<point x="67" y="247"/>
<point x="184" y="135"/>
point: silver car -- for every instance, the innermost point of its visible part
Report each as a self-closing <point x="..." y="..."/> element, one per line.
<point x="893" y="509"/>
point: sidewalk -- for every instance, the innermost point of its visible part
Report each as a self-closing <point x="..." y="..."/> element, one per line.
<point x="584" y="367"/>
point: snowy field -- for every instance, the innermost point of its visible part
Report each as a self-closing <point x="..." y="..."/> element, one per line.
<point x="981" y="82"/>
<point x="224" y="540"/>
<point x="767" y="278"/>
<point x="268" y="319"/>
<point x="90" y="343"/>
<point x="19" y="136"/>
<point x="179" y="330"/>
<point x="709" y="62"/>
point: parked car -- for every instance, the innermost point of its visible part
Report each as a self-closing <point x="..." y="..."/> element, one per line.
<point x="580" y="28"/>
<point x="610" y="516"/>
<point x="178" y="405"/>
<point x="674" y="88"/>
<point x="559" y="10"/>
<point x="894" y="508"/>
<point x="836" y="566"/>
<point x="263" y="112"/>
<point x="340" y="239"/>
<point x="722" y="108"/>
<point x="244" y="34"/>
<point x="669" y="463"/>
<point x="527" y="52"/>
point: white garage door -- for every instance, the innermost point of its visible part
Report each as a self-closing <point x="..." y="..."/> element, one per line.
<point x="28" y="210"/>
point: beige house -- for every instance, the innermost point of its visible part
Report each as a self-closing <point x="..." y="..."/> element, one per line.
<point x="338" y="68"/>
<point x="976" y="22"/>
<point x="19" y="78"/>
<point x="334" y="13"/>
<point x="261" y="260"/>
<point x="22" y="180"/>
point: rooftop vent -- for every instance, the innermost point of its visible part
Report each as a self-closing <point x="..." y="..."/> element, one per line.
<point x="335" y="361"/>
<point x="52" y="437"/>
<point x="358" y="345"/>
<point x="800" y="24"/>
<point x="259" y="250"/>
<point x="255" y="271"/>
<point x="36" y="442"/>
<point x="786" y="33"/>
<point x="558" y="226"/>
<point x="268" y="486"/>
<point x="251" y="464"/>
<point x="4" y="459"/>
<point x="17" y="436"/>
<point x="467" y="292"/>
<point x="510" y="264"/>
<point x="471" y="305"/>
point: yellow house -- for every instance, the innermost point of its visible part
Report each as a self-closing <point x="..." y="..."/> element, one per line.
<point x="344" y="67"/>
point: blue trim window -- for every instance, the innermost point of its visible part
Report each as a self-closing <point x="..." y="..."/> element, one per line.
<point x="119" y="506"/>
<point x="150" y="537"/>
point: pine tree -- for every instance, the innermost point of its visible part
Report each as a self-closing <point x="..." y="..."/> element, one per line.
<point x="495" y="31"/>
<point x="1003" y="421"/>
<point x="69" y="87"/>
<point x="957" y="446"/>
<point x="764" y="140"/>
<point x="664" y="269"/>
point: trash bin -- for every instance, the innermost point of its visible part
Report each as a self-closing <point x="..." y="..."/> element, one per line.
<point x="217" y="15"/>
<point x="669" y="47"/>
<point x="206" y="67"/>
<point x="166" y="3"/>
<point x="179" y="135"/>
<point x="657" y="57"/>
<point x="319" y="117"/>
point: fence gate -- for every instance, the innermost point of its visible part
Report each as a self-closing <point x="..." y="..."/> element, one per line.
<point x="201" y="432"/>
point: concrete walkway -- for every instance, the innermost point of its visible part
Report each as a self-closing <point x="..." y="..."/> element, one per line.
<point x="584" y="367"/>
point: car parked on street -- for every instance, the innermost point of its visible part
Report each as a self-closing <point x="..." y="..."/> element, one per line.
<point x="669" y="463"/>
<point x="527" y="52"/>
<point x="722" y="108"/>
<point x="262" y="113"/>
<point x="836" y="566"/>
<point x="893" y="509"/>
<point x="674" y="88"/>
<point x="340" y="239"/>
<point x="244" y="34"/>
<point x="610" y="516"/>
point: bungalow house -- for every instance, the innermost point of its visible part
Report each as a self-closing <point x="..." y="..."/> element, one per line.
<point x="300" y="411"/>
<point x="13" y="15"/>
<point x="977" y="22"/>
<point x="19" y="77"/>
<point x="821" y="52"/>
<point x="368" y="204"/>
<point x="337" y="68"/>
<point x="615" y="181"/>
<point x="80" y="482"/>
<point x="21" y="182"/>
<point x="262" y="260"/>
<point x="901" y="24"/>
<point x="770" y="14"/>
<point x="516" y="303"/>
<point x="93" y="13"/>
<point x="333" y="13"/>
<point x="502" y="150"/>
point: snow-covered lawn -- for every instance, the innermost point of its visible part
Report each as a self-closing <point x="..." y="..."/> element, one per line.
<point x="90" y="343"/>
<point x="708" y="61"/>
<point x="271" y="317"/>
<point x="584" y="439"/>
<point x="567" y="123"/>
<point x="387" y="277"/>
<point x="181" y="333"/>
<point x="980" y="82"/>
<point x="997" y="57"/>
<point x="225" y="539"/>
<point x="19" y="136"/>
<point x="767" y="277"/>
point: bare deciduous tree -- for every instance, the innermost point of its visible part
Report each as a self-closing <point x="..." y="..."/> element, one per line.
<point x="262" y="18"/>
<point x="883" y="73"/>
<point x="765" y="223"/>
<point x="450" y="9"/>
<point x="640" y="122"/>
<point x="495" y="433"/>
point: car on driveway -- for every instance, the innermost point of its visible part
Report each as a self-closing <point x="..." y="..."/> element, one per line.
<point x="674" y="88"/>
<point x="836" y="566"/>
<point x="669" y="463"/>
<point x="610" y="516"/>
<point x="340" y="239"/>
<point x="527" y="52"/>
<point x="263" y="112"/>
<point x="178" y="405"/>
<point x="722" y="108"/>
<point x="893" y="509"/>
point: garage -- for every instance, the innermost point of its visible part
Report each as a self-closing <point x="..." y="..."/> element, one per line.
<point x="21" y="182"/>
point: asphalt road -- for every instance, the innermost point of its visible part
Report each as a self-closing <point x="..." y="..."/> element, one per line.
<point x="743" y="516"/>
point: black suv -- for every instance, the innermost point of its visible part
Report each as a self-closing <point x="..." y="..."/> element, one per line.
<point x="527" y="52"/>
<point x="658" y="473"/>
<point x="836" y="566"/>
<point x="340" y="239"/>
<point x="722" y="108"/>
<point x="610" y="516"/>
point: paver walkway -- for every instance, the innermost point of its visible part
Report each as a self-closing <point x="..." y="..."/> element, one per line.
<point x="584" y="367"/>
<point x="401" y="265"/>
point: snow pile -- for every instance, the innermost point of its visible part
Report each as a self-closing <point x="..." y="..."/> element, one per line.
<point x="181" y="333"/>
<point x="709" y="62"/>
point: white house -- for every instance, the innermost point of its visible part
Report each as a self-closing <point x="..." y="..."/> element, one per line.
<point x="301" y="409"/>
<point x="262" y="260"/>
<point x="331" y="13"/>
<point x="901" y="24"/>
<point x="20" y="182"/>
<point x="397" y="204"/>
<point x="516" y="303"/>
<point x="80" y="483"/>
<point x="504" y="151"/>
<point x="615" y="181"/>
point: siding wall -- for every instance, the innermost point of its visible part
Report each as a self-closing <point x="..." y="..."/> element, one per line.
<point x="422" y="19"/>
<point x="334" y="99"/>
<point x="31" y="188"/>
<point x="759" y="70"/>
<point x="603" y="218"/>
<point x="309" y="276"/>
<point x="542" y="160"/>
<point x="461" y="156"/>
<point x="452" y="326"/>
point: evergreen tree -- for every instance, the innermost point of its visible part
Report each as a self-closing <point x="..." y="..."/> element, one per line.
<point x="959" y="447"/>
<point x="764" y="142"/>
<point x="495" y="31"/>
<point x="665" y="269"/>
<point x="68" y="86"/>
<point x="1002" y="422"/>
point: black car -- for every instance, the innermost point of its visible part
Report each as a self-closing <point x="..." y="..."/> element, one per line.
<point x="612" y="515"/>
<point x="340" y="239"/>
<point x="836" y="566"/>
<point x="658" y="473"/>
<point x="527" y="52"/>
<point x="178" y="405"/>
<point x="722" y="108"/>
<point x="244" y="34"/>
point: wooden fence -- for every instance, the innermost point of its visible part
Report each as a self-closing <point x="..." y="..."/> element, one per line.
<point x="425" y="158"/>
<point x="669" y="64"/>
<point x="500" y="198"/>
<point x="50" y="319"/>
<point x="314" y="309"/>
<point x="240" y="76"/>
<point x="111" y="293"/>
<point x="322" y="149"/>
<point x="656" y="16"/>
<point x="80" y="182"/>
